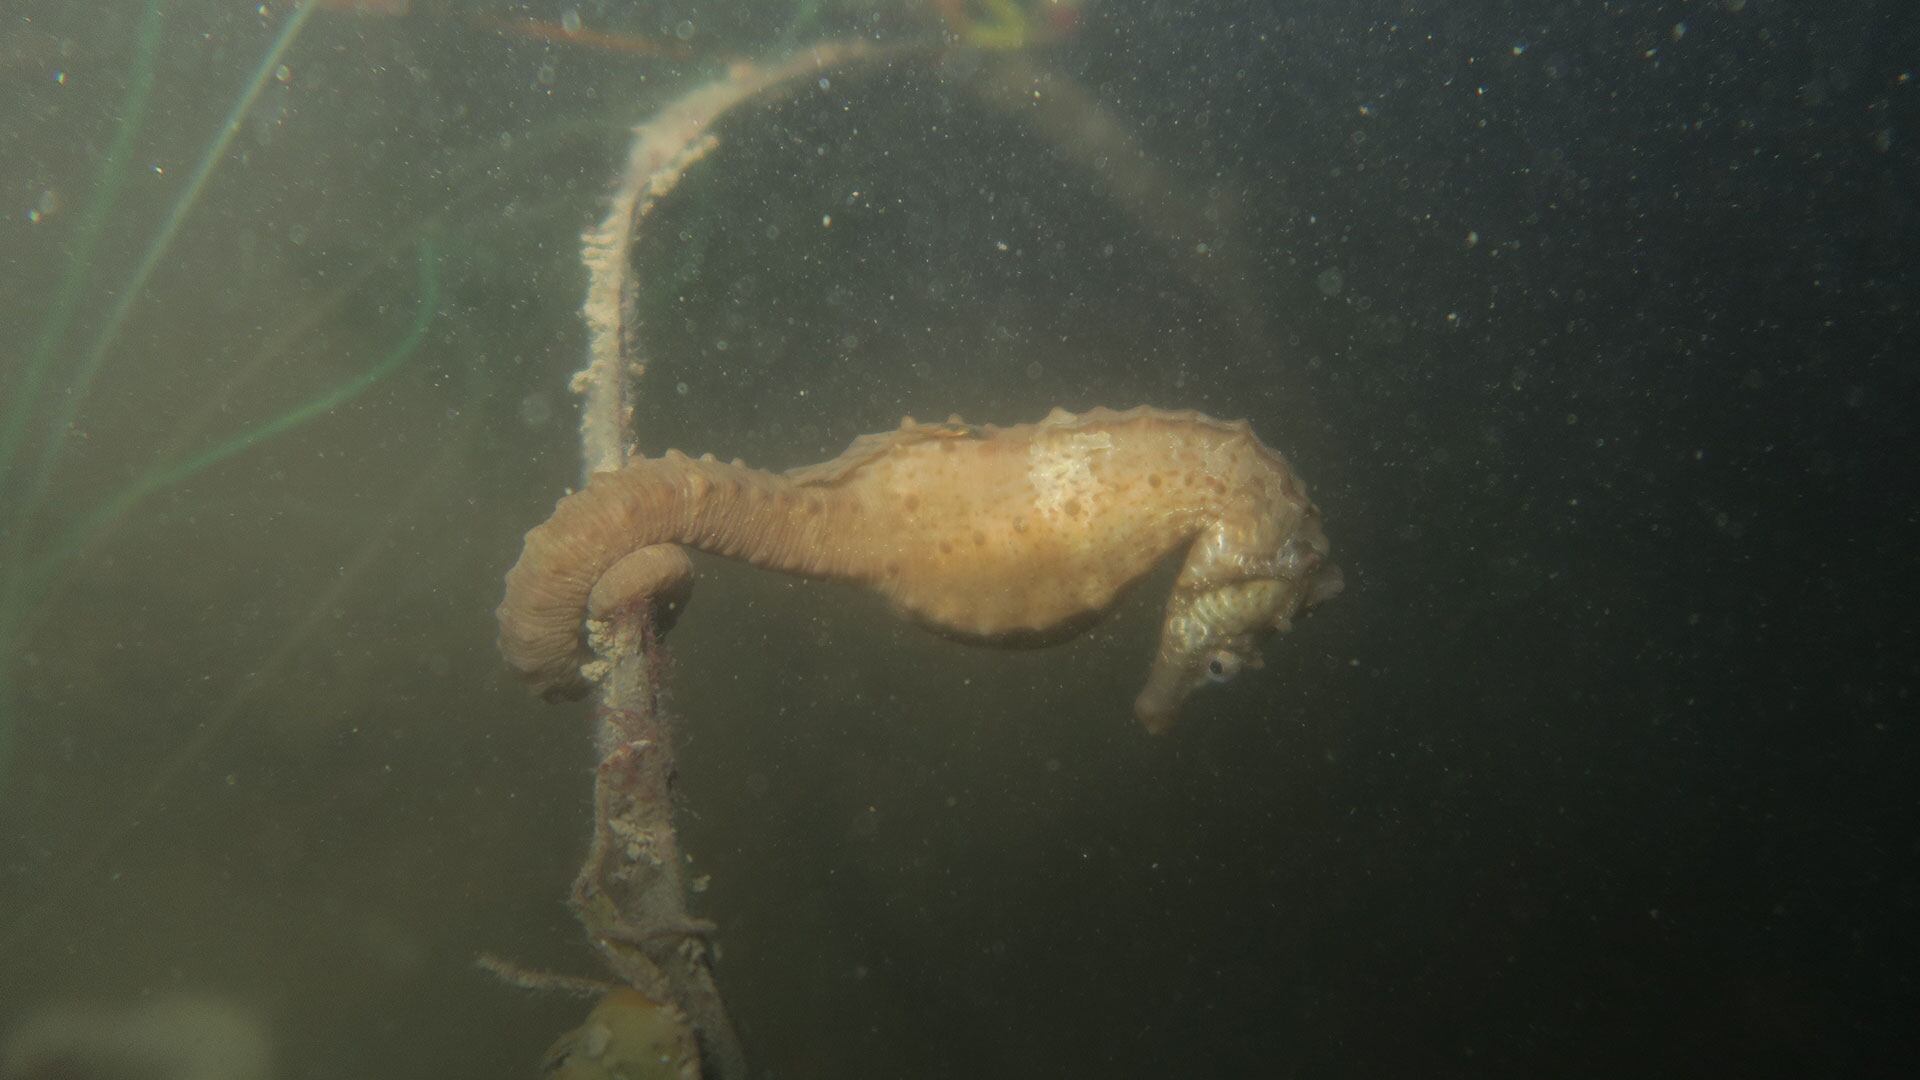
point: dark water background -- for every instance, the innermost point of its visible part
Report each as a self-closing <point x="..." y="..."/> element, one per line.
<point x="1591" y="325"/>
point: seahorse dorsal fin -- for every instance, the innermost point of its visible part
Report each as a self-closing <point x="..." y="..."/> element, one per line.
<point x="868" y="448"/>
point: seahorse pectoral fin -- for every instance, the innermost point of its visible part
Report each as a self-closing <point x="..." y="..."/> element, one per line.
<point x="1326" y="583"/>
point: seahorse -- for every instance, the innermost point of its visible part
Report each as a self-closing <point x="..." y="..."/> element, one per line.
<point x="1015" y="536"/>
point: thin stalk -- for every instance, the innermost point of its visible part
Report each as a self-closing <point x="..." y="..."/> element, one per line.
<point x="130" y="294"/>
<point x="220" y="719"/>
<point x="106" y="191"/>
<point x="23" y="587"/>
<point x="40" y="574"/>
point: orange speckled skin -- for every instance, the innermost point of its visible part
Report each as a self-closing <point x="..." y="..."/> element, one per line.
<point x="1017" y="536"/>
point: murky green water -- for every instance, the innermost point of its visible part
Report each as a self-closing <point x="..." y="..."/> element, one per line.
<point x="1586" y="325"/>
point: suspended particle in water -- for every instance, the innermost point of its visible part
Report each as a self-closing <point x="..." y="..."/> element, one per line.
<point x="536" y="410"/>
<point x="1330" y="282"/>
<point x="546" y="75"/>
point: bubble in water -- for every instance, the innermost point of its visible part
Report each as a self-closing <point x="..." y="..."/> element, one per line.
<point x="45" y="207"/>
<point x="546" y="75"/>
<point x="682" y="389"/>
<point x="1034" y="370"/>
<point x="1330" y="282"/>
<point x="570" y="21"/>
<point x="283" y="73"/>
<point x="684" y="31"/>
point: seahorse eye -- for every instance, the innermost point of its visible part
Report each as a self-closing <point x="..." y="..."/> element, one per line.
<point x="1222" y="666"/>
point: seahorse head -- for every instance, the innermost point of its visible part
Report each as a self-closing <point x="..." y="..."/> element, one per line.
<point x="1226" y="604"/>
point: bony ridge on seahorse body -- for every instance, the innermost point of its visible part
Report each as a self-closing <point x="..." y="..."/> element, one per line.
<point x="1018" y="536"/>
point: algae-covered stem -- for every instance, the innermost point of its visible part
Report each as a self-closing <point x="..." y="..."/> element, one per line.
<point x="630" y="894"/>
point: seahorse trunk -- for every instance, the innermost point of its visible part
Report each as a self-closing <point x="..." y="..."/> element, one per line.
<point x="728" y="510"/>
